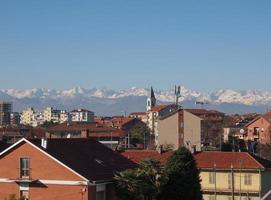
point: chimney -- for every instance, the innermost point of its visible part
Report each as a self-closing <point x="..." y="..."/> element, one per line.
<point x="44" y="143"/>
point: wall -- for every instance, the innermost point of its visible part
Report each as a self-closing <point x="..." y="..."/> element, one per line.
<point x="265" y="136"/>
<point x="223" y="185"/>
<point x="192" y="130"/>
<point x="41" y="168"/>
<point x="168" y="130"/>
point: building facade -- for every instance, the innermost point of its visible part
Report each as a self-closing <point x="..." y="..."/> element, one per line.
<point x="35" y="170"/>
<point x="5" y="111"/>
<point x="259" y="129"/>
<point x="82" y="115"/>
<point x="233" y="175"/>
<point x="28" y="116"/>
<point x="51" y="115"/>
<point x="180" y="128"/>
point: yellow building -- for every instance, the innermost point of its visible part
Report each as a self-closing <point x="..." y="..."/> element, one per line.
<point x="233" y="175"/>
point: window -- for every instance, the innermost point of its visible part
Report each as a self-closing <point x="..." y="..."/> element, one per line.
<point x="24" y="168"/>
<point x="100" y="192"/>
<point x="248" y="179"/>
<point x="211" y="177"/>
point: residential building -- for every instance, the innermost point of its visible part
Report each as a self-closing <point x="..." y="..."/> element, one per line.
<point x="28" y="116"/>
<point x="5" y="111"/>
<point x="109" y="136"/>
<point x="82" y="115"/>
<point x="179" y="128"/>
<point x="259" y="129"/>
<point x="139" y="115"/>
<point x="212" y="126"/>
<point x="224" y="175"/>
<point x="13" y="134"/>
<point x="64" y="116"/>
<point x="51" y="115"/>
<point x="233" y="175"/>
<point x="15" y="118"/>
<point x="60" y="169"/>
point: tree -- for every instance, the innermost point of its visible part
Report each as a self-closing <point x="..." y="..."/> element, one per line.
<point x="140" y="133"/>
<point x="140" y="183"/>
<point x="127" y="185"/>
<point x="180" y="179"/>
<point x="13" y="197"/>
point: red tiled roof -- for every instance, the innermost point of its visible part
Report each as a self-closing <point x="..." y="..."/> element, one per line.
<point x="158" y="108"/>
<point x="138" y="155"/>
<point x="266" y="116"/>
<point x="207" y="160"/>
<point x="137" y="113"/>
<point x="114" y="133"/>
<point x="226" y="160"/>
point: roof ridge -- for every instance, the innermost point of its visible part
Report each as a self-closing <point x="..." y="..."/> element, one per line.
<point x="256" y="160"/>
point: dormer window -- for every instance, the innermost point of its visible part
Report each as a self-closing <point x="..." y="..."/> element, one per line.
<point x="24" y="168"/>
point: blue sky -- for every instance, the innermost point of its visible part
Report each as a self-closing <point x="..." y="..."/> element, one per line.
<point x="204" y="45"/>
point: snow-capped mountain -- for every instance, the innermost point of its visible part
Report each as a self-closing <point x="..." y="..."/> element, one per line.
<point x="108" y="102"/>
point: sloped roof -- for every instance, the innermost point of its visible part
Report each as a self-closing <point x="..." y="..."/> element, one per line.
<point x="208" y="159"/>
<point x="266" y="116"/>
<point x="138" y="155"/>
<point x="226" y="160"/>
<point x="87" y="157"/>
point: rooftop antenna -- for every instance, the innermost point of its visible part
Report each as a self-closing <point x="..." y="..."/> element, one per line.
<point x="178" y="95"/>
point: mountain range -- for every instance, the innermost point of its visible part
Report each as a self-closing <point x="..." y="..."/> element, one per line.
<point x="108" y="102"/>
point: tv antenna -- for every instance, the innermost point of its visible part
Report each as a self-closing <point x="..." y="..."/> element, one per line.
<point x="177" y="94"/>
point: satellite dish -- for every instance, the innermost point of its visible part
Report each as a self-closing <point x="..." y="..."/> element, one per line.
<point x="242" y="131"/>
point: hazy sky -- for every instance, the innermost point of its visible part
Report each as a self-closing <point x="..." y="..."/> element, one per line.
<point x="203" y="45"/>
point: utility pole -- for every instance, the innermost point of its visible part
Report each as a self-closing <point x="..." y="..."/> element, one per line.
<point x="232" y="182"/>
<point x="215" y="179"/>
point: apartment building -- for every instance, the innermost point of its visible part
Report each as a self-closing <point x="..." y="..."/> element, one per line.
<point x="51" y="115"/>
<point x="5" y="111"/>
<point x="233" y="175"/>
<point x="179" y="128"/>
<point x="259" y="129"/>
<point x="28" y="116"/>
<point x="82" y="115"/>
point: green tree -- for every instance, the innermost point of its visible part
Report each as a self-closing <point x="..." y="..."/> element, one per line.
<point x="140" y="133"/>
<point x="181" y="177"/>
<point x="127" y="185"/>
<point x="140" y="183"/>
<point x="13" y="197"/>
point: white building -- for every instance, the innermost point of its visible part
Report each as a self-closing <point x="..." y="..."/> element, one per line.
<point x="82" y="115"/>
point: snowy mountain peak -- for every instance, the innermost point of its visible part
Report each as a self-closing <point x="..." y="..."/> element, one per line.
<point x="81" y="96"/>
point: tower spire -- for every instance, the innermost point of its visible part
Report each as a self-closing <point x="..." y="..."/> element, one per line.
<point x="151" y="101"/>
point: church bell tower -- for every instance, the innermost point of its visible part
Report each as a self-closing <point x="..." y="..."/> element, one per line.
<point x="151" y="101"/>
